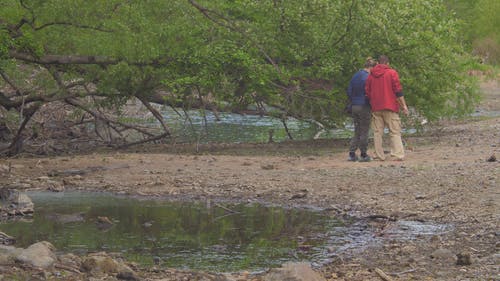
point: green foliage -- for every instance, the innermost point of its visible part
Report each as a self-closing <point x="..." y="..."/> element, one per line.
<point x="297" y="56"/>
<point x="5" y="44"/>
<point x="479" y="25"/>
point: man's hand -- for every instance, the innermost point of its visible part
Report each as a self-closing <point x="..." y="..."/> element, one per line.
<point x="405" y="110"/>
<point x="402" y="104"/>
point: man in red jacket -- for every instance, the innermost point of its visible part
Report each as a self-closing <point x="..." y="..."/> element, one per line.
<point x="385" y="93"/>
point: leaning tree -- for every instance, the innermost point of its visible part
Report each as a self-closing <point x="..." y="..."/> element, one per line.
<point x="73" y="69"/>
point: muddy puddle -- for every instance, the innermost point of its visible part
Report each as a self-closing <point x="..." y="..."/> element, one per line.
<point x="191" y="235"/>
<point x="194" y="235"/>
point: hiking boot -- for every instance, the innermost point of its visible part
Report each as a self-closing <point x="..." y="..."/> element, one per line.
<point x="365" y="158"/>
<point x="352" y="157"/>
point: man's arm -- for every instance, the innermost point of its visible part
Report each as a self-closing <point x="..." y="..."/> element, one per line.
<point x="398" y="89"/>
<point x="402" y="104"/>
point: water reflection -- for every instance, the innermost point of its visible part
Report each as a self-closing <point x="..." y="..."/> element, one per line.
<point x="176" y="234"/>
<point x="235" y="128"/>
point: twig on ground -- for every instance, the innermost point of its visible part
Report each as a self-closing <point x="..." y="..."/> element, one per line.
<point x="404" y="272"/>
<point x="68" y="268"/>
<point x="383" y="275"/>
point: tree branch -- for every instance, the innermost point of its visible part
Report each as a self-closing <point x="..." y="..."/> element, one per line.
<point x="68" y="59"/>
<point x="63" y="23"/>
<point x="224" y="23"/>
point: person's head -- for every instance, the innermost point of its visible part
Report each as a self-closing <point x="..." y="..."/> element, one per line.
<point x="370" y="62"/>
<point x="383" y="59"/>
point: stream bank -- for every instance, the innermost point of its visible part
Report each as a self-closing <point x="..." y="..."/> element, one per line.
<point x="450" y="176"/>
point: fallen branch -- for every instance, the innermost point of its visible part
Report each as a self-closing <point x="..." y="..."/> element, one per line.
<point x="375" y="217"/>
<point x="404" y="272"/>
<point x="73" y="172"/>
<point x="68" y="268"/>
<point x="164" y="135"/>
<point x="382" y="275"/>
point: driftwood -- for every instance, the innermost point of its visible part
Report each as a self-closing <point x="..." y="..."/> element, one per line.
<point x="383" y="217"/>
<point x="67" y="268"/>
<point x="74" y="172"/>
<point x="382" y="275"/>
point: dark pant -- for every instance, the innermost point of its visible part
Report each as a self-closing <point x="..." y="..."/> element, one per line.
<point x="361" y="115"/>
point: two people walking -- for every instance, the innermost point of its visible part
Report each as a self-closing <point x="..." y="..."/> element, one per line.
<point x="375" y="93"/>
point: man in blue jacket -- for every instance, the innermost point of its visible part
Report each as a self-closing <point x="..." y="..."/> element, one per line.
<point x="360" y="112"/>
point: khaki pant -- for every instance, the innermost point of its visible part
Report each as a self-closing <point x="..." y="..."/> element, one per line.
<point x="391" y="119"/>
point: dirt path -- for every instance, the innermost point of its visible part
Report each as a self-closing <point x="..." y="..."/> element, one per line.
<point x="446" y="178"/>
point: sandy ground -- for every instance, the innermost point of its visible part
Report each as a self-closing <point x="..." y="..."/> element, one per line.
<point x="446" y="178"/>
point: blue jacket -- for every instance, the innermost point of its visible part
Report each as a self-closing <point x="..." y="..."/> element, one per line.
<point x="356" y="89"/>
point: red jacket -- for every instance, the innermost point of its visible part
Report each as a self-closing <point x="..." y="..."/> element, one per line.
<point x="383" y="88"/>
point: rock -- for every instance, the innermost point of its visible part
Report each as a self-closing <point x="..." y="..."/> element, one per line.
<point x="492" y="158"/>
<point x="104" y="223"/>
<point x="464" y="259"/>
<point x="38" y="255"/>
<point x="128" y="275"/>
<point x="293" y="272"/>
<point x="15" y="203"/>
<point x="55" y="186"/>
<point x="100" y="263"/>
<point x="8" y="254"/>
<point x="6" y="193"/>
<point x="97" y="264"/>
<point x="443" y="255"/>
<point x="299" y="195"/>
<point x="70" y="260"/>
<point x="4" y="168"/>
<point x="420" y="197"/>
<point x="267" y="167"/>
<point x="6" y="239"/>
<point x="15" y="197"/>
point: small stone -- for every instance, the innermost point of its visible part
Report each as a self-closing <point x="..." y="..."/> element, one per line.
<point x="127" y="275"/>
<point x="436" y="239"/>
<point x="55" y="186"/>
<point x="267" y="167"/>
<point x="104" y="223"/>
<point x="5" y="239"/>
<point x="464" y="259"/>
<point x="443" y="255"/>
<point x="419" y="197"/>
<point x="492" y="158"/>
<point x="4" y="168"/>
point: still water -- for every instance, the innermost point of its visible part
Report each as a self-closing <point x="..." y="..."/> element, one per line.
<point x="205" y="127"/>
<point x="190" y="235"/>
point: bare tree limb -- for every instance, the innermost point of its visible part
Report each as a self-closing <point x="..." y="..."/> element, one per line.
<point x="64" y="23"/>
<point x="155" y="138"/>
<point x="75" y="103"/>
<point x="155" y="113"/>
<point x="68" y="59"/>
<point x="17" y="143"/>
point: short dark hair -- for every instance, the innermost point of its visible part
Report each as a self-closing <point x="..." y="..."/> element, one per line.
<point x="383" y="59"/>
